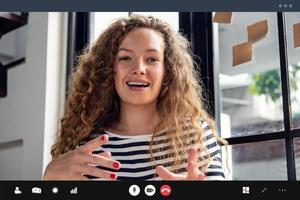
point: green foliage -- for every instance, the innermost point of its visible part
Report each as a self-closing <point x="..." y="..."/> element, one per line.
<point x="269" y="84"/>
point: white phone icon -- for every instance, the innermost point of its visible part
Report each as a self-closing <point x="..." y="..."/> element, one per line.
<point x="165" y="190"/>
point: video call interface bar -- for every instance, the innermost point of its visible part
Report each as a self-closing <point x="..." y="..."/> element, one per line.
<point x="147" y="189"/>
<point x="152" y="5"/>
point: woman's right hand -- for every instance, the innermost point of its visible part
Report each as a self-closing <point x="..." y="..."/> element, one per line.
<point x="79" y="162"/>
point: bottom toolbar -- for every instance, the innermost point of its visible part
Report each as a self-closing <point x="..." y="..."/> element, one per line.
<point x="147" y="189"/>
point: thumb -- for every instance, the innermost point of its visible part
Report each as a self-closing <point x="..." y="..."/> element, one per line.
<point x="165" y="174"/>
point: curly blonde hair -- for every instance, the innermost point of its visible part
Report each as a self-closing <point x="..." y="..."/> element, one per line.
<point x="93" y="102"/>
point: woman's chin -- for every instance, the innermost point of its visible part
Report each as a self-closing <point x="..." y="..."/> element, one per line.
<point x="140" y="102"/>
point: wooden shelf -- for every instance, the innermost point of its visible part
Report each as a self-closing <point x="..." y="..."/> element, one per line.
<point x="11" y="21"/>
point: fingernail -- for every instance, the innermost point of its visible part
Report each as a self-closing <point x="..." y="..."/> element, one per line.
<point x="194" y="149"/>
<point x="102" y="138"/>
<point x="116" y="165"/>
<point x="108" y="154"/>
<point x="113" y="176"/>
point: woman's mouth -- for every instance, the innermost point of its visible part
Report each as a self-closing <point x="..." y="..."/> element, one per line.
<point x="137" y="86"/>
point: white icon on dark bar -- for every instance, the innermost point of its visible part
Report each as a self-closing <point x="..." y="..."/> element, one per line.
<point x="150" y="190"/>
<point x="246" y="190"/>
<point x="36" y="190"/>
<point x="134" y="190"/>
<point x="17" y="190"/>
<point x="282" y="190"/>
<point x="73" y="191"/>
<point x="55" y="190"/>
<point x="263" y="190"/>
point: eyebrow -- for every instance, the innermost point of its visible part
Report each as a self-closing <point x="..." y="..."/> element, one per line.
<point x="148" y="50"/>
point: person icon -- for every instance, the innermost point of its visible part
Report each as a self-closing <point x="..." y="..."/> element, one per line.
<point x="18" y="191"/>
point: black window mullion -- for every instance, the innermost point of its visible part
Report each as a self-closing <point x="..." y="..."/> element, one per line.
<point x="78" y="38"/>
<point x="295" y="133"/>
<point x="256" y="138"/>
<point x="286" y="97"/>
<point x="201" y="37"/>
<point x="197" y="27"/>
<point x="185" y="24"/>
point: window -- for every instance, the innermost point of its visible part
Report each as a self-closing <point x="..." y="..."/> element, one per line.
<point x="254" y="88"/>
<point x="101" y="20"/>
<point x="293" y="59"/>
<point x="250" y="93"/>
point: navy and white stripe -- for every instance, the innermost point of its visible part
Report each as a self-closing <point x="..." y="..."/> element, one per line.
<point x="133" y="154"/>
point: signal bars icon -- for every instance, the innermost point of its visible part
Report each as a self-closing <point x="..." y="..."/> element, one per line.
<point x="73" y="191"/>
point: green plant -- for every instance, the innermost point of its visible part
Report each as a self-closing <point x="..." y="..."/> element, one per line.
<point x="269" y="83"/>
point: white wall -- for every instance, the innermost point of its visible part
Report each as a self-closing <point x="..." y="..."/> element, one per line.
<point x="24" y="113"/>
<point x="55" y="78"/>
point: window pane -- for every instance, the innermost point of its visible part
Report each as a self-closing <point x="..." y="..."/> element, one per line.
<point x="257" y="161"/>
<point x="248" y="95"/>
<point x="297" y="156"/>
<point x="293" y="50"/>
<point x="101" y="20"/>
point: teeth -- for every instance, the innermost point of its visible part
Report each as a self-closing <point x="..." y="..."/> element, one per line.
<point x="137" y="83"/>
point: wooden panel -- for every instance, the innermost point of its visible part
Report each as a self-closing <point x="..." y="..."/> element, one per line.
<point x="10" y="21"/>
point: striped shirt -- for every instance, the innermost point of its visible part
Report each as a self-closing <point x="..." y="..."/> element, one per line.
<point x="136" y="164"/>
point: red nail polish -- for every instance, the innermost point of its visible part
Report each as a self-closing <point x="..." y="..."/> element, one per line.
<point x="102" y="137"/>
<point x="113" y="176"/>
<point x="116" y="165"/>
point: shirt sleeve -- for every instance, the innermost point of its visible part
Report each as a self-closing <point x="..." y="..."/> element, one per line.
<point x="215" y="170"/>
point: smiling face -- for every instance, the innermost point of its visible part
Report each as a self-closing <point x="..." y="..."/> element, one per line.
<point x="139" y="67"/>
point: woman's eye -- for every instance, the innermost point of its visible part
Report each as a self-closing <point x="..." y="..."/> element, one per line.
<point x="152" y="60"/>
<point x="125" y="58"/>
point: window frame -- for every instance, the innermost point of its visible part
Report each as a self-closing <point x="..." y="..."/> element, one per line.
<point x="201" y="29"/>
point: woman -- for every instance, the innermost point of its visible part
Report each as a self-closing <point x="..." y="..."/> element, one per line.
<point x="136" y="99"/>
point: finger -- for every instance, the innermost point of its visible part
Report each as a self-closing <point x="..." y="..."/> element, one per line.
<point x="81" y="178"/>
<point x="99" y="173"/>
<point x="192" y="168"/>
<point x="76" y="174"/>
<point x="193" y="171"/>
<point x="165" y="174"/>
<point x="106" y="154"/>
<point x="197" y="174"/>
<point x="193" y="155"/>
<point x="102" y="161"/>
<point x="94" y="144"/>
<point x="201" y="176"/>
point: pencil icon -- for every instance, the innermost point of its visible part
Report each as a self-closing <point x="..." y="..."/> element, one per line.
<point x="263" y="190"/>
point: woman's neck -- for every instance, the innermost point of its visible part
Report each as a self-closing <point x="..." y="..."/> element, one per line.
<point x="137" y="120"/>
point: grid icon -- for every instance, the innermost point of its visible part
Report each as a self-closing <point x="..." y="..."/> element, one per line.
<point x="246" y="190"/>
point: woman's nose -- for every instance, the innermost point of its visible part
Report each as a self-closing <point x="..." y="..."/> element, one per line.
<point x="139" y="68"/>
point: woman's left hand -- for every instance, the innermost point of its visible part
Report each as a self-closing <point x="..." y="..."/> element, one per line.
<point x="192" y="168"/>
